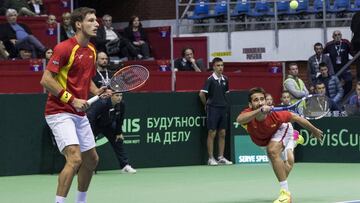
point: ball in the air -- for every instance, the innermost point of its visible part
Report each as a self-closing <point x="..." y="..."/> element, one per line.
<point x="294" y="4"/>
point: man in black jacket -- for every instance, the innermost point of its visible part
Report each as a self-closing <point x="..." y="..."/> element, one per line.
<point x="15" y="34"/>
<point x="110" y="41"/>
<point x="106" y="116"/>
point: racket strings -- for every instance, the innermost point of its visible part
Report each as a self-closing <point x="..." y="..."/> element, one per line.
<point x="129" y="78"/>
<point x="316" y="107"/>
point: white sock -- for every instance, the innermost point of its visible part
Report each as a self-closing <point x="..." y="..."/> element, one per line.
<point x="81" y="197"/>
<point x="284" y="185"/>
<point x="59" y="199"/>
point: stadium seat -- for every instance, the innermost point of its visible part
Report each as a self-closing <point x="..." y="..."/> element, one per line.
<point x="201" y="10"/>
<point x="318" y="6"/>
<point x="242" y="7"/>
<point x="220" y="10"/>
<point x="355" y="7"/>
<point x="303" y="7"/>
<point x="340" y="6"/>
<point x="262" y="8"/>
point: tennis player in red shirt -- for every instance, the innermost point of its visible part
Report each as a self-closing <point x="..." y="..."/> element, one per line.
<point x="271" y="130"/>
<point x="68" y="79"/>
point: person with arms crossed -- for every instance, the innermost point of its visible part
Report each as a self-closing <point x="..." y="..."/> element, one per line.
<point x="215" y="89"/>
<point x="106" y="116"/>
<point x="272" y="130"/>
<point x="68" y="81"/>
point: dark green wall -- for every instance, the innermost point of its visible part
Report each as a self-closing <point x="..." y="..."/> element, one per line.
<point x="28" y="149"/>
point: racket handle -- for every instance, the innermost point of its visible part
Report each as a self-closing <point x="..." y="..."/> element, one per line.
<point x="93" y="99"/>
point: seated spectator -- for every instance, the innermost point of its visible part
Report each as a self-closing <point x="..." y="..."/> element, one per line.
<point x="269" y="99"/>
<point x="355" y="99"/>
<point x="25" y="52"/>
<point x="3" y="52"/>
<point x="51" y="25"/>
<point x="110" y="41"/>
<point x="188" y="62"/>
<point x="21" y="6"/>
<point x="66" y="30"/>
<point x="313" y="64"/>
<point x="37" y="7"/>
<point x="48" y="53"/>
<point x="320" y="88"/>
<point x="333" y="85"/>
<point x="15" y="34"/>
<point x="138" y="40"/>
<point x="285" y="98"/>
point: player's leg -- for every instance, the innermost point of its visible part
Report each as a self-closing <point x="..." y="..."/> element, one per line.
<point x="274" y="150"/>
<point x="64" y="130"/>
<point x="89" y="157"/>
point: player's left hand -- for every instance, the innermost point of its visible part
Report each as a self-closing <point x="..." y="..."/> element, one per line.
<point x="105" y="92"/>
<point x="318" y="134"/>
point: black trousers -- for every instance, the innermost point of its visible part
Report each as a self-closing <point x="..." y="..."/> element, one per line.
<point x="117" y="146"/>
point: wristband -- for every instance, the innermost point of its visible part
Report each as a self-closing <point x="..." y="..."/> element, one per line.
<point x="65" y="96"/>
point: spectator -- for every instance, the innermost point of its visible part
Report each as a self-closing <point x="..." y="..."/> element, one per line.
<point x="355" y="41"/>
<point x="213" y="97"/>
<point x="314" y="61"/>
<point x="355" y="99"/>
<point x="188" y="61"/>
<point x="320" y="88"/>
<point x="110" y="41"/>
<point x="48" y="53"/>
<point x="339" y="50"/>
<point x="15" y="34"/>
<point x="139" y="44"/>
<point x="51" y="25"/>
<point x="285" y="98"/>
<point x="37" y="7"/>
<point x="4" y="54"/>
<point x="294" y="85"/>
<point x="25" y="52"/>
<point x="21" y="6"/>
<point x="269" y="99"/>
<point x="103" y="75"/>
<point x="66" y="30"/>
<point x="333" y="86"/>
<point x="106" y="116"/>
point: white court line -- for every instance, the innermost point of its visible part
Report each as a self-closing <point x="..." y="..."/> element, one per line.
<point x="351" y="201"/>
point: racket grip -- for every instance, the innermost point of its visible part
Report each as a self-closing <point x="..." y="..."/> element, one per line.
<point x="93" y="99"/>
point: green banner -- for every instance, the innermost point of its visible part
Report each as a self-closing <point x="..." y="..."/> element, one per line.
<point x="341" y="141"/>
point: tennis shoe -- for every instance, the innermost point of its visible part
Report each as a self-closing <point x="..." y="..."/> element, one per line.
<point x="212" y="162"/>
<point x="128" y="169"/>
<point x="222" y="160"/>
<point x="285" y="197"/>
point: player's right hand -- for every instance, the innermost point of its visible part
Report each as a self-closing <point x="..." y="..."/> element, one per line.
<point x="265" y="109"/>
<point x="80" y="105"/>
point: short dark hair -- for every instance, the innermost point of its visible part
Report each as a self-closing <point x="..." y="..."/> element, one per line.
<point x="323" y="64"/>
<point x="292" y="64"/>
<point x="79" y="14"/>
<point x="255" y="90"/>
<point x="317" y="44"/>
<point x="184" y="49"/>
<point x="215" y="60"/>
<point x="320" y="83"/>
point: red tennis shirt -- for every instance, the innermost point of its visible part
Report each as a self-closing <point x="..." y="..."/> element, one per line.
<point x="262" y="131"/>
<point x="75" y="67"/>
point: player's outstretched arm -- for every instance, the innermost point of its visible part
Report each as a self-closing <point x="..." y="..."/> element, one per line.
<point x="246" y="117"/>
<point x="307" y="125"/>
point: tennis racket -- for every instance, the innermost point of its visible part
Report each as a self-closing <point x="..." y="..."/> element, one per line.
<point x="311" y="107"/>
<point x="126" y="79"/>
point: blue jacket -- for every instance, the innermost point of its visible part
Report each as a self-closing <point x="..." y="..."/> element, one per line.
<point x="333" y="86"/>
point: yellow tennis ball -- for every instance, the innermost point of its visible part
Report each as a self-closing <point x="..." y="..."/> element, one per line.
<point x="294" y="4"/>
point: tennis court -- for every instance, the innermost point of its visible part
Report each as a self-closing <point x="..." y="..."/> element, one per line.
<point x="309" y="183"/>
